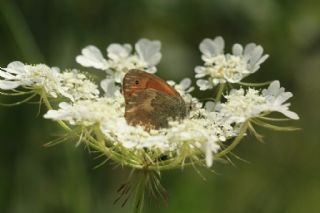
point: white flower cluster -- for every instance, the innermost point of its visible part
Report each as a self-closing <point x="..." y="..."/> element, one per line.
<point x="200" y="133"/>
<point x="189" y="136"/>
<point x="221" y="68"/>
<point x="89" y="112"/>
<point x="70" y="84"/>
<point x="184" y="88"/>
<point x="121" y="59"/>
<point x="242" y="105"/>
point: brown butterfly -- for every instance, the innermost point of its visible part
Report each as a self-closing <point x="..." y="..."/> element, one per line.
<point x="150" y="101"/>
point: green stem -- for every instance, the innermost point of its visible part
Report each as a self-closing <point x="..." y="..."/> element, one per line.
<point x="255" y="84"/>
<point x="235" y="142"/>
<point x="99" y="144"/>
<point x="274" y="119"/>
<point x="48" y="105"/>
<point x="140" y="192"/>
<point x="273" y="127"/>
<point x="220" y="92"/>
<point x="16" y="93"/>
<point x="173" y="165"/>
<point x="20" y="102"/>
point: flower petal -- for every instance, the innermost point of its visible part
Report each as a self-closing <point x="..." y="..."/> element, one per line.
<point x="8" y="85"/>
<point x="203" y="84"/>
<point x="92" y="57"/>
<point x="6" y="75"/>
<point x="109" y="87"/>
<point x="290" y="114"/>
<point x="149" y="51"/>
<point x="237" y="49"/>
<point x="211" y="48"/>
<point x="117" y="51"/>
<point x="16" y="67"/>
<point x="185" y="83"/>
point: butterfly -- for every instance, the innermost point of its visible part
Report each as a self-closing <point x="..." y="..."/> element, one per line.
<point x="151" y="102"/>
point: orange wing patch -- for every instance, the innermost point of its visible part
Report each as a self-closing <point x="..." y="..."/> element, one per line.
<point x="136" y="80"/>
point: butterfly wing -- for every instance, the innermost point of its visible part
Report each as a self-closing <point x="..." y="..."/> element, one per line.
<point x="137" y="80"/>
<point x="152" y="109"/>
<point x="150" y="101"/>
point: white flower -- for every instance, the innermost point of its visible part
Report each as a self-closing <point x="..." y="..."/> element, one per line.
<point x="188" y="137"/>
<point x="184" y="88"/>
<point x="205" y="84"/>
<point x="11" y="76"/>
<point x="75" y="86"/>
<point x="70" y="84"/>
<point x="109" y="87"/>
<point x="252" y="54"/>
<point x="121" y="58"/>
<point x="276" y="98"/>
<point x="211" y="48"/>
<point x="242" y="105"/>
<point x="209" y="148"/>
<point x="133" y="138"/>
<point x="88" y="112"/>
<point x="185" y="138"/>
<point x="18" y="74"/>
<point x="92" y="57"/>
<point x="118" y="52"/>
<point x="222" y="68"/>
<point x="149" y="53"/>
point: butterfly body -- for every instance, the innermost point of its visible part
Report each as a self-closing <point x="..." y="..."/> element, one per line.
<point x="150" y="101"/>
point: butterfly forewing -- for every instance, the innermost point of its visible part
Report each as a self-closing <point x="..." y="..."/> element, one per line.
<point x="137" y="80"/>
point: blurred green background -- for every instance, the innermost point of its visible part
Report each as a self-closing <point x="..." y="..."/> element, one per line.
<point x="283" y="174"/>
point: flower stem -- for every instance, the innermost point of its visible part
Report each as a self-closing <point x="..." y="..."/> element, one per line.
<point x="235" y="142"/>
<point x="273" y="127"/>
<point x="220" y="92"/>
<point x="16" y="93"/>
<point x="20" y="102"/>
<point x="255" y="84"/>
<point x="48" y="105"/>
<point x="140" y="192"/>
